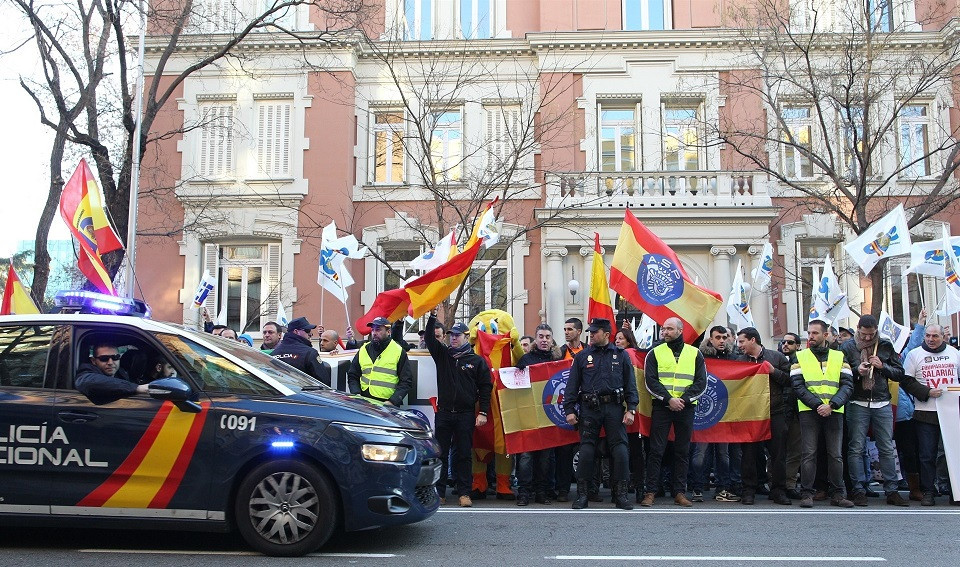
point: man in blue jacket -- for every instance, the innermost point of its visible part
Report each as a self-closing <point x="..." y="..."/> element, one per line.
<point x="102" y="380"/>
<point x="296" y="350"/>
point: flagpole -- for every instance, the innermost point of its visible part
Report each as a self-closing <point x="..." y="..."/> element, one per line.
<point x="920" y="289"/>
<point x="135" y="166"/>
<point x="322" y="295"/>
<point x="344" y="294"/>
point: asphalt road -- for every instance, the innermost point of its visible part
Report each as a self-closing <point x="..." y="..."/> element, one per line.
<point x="499" y="533"/>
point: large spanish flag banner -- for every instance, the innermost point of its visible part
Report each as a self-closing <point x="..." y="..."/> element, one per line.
<point x="533" y="417"/>
<point x="648" y="274"/>
<point x="392" y="304"/>
<point x="427" y="291"/>
<point x="734" y="409"/>
<point x="81" y="207"/>
<point x="599" y="304"/>
<point x="16" y="300"/>
<point x="497" y="352"/>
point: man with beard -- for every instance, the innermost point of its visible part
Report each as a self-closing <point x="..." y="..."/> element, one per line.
<point x="463" y="383"/>
<point x="533" y="467"/>
<point x="296" y="350"/>
<point x="381" y="370"/>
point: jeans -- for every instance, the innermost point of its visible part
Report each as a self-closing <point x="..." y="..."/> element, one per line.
<point x="455" y="429"/>
<point x="928" y="440"/>
<point x="811" y="425"/>
<point x="699" y="465"/>
<point x="792" y="444"/>
<point x="880" y="419"/>
<point x="661" y="419"/>
<point x="532" y="470"/>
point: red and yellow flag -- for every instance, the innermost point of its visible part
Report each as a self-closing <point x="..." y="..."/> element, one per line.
<point x="648" y="274"/>
<point x="392" y="304"/>
<point x="16" y="300"/>
<point x="599" y="304"/>
<point x="496" y="350"/>
<point x="533" y="417"/>
<point x="735" y="408"/>
<point x="81" y="207"/>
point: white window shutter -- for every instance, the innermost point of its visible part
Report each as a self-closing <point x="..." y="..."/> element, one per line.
<point x="273" y="138"/>
<point x="211" y="264"/>
<point x="273" y="281"/>
<point x="216" y="141"/>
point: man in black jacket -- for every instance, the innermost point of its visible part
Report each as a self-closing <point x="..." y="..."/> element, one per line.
<point x="873" y="361"/>
<point x="102" y="380"/>
<point x="296" y="350"/>
<point x="602" y="381"/>
<point x="748" y="339"/>
<point x="533" y="467"/>
<point x="463" y="383"/>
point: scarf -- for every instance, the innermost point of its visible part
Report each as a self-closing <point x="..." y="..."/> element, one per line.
<point x="867" y="349"/>
<point x="465" y="348"/>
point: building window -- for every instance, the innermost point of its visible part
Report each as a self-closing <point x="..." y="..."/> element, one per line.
<point x="503" y="137"/>
<point x="273" y="137"/>
<point x="285" y="17"/>
<point x="446" y="146"/>
<point x="915" y="140"/>
<point x="486" y="289"/>
<point x="796" y="144"/>
<point x="618" y="139"/>
<point x="646" y="14"/>
<point x="248" y="282"/>
<point x="476" y="18"/>
<point x="880" y="15"/>
<point x="809" y="16"/>
<point x="216" y="158"/>
<point x="397" y="269"/>
<point x="682" y="140"/>
<point x="418" y="19"/>
<point x="388" y="166"/>
<point x="214" y="16"/>
<point x="852" y="122"/>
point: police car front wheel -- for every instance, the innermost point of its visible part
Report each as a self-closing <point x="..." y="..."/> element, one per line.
<point x="285" y="508"/>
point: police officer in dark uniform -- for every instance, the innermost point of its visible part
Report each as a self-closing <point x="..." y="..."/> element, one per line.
<point x="296" y="350"/>
<point x="601" y="380"/>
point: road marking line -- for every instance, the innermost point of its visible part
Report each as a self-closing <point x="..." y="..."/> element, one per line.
<point x="232" y="553"/>
<point x="710" y="558"/>
<point x="702" y="511"/>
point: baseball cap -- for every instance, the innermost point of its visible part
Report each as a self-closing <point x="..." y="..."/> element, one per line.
<point x="300" y="323"/>
<point x="459" y="329"/>
<point x="598" y="324"/>
<point x="379" y="322"/>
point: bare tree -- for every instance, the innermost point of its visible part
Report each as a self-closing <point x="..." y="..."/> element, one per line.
<point x="86" y="95"/>
<point x="843" y="104"/>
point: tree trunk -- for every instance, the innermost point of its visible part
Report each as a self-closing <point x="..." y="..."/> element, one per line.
<point x="41" y="266"/>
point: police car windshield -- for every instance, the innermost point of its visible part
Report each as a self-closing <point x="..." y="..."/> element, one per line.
<point x="279" y="371"/>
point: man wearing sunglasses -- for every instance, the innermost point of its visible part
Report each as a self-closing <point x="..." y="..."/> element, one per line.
<point x="789" y="347"/>
<point x="102" y="380"/>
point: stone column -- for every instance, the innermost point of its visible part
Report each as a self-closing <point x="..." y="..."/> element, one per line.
<point x="586" y="252"/>
<point x="722" y="278"/>
<point x="760" y="304"/>
<point x="555" y="289"/>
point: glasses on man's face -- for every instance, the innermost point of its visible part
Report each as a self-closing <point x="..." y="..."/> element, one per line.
<point x="108" y="357"/>
<point x="789" y="342"/>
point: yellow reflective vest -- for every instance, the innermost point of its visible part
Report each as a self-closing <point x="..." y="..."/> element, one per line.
<point x="675" y="374"/>
<point x="823" y="385"/>
<point x="378" y="378"/>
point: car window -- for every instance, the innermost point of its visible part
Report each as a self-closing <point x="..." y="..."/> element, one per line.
<point x="23" y="355"/>
<point x="212" y="372"/>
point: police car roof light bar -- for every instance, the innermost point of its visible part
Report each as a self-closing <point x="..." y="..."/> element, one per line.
<point x="82" y="301"/>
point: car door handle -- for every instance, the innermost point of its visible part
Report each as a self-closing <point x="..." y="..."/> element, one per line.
<point x="77" y="416"/>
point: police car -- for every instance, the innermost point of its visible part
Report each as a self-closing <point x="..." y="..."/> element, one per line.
<point x="236" y="440"/>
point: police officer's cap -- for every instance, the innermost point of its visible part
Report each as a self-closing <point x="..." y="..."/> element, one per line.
<point x="598" y="324"/>
<point x="300" y="323"/>
<point x="379" y="322"/>
<point x="459" y="329"/>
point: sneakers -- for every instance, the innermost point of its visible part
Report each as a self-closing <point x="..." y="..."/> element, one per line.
<point x="465" y="501"/>
<point x="726" y="496"/>
<point x="697" y="496"/>
<point x="841" y="502"/>
<point x="860" y="498"/>
<point x="894" y="499"/>
<point x="681" y="500"/>
<point x="806" y="502"/>
<point x="647" y="500"/>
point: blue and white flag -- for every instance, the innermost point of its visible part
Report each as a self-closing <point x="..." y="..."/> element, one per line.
<point x="887" y="237"/>
<point x="927" y="257"/>
<point x="893" y="331"/>
<point x="206" y="285"/>
<point x="644" y="332"/>
<point x="444" y="250"/>
<point x="332" y="275"/>
<point x="762" y="273"/>
<point x="738" y="307"/>
<point x="281" y="315"/>
<point x="829" y="303"/>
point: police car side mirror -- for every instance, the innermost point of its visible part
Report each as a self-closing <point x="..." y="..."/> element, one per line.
<point x="174" y="390"/>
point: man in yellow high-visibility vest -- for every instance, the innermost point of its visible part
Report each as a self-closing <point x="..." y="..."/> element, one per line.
<point x="381" y="369"/>
<point x="823" y="383"/>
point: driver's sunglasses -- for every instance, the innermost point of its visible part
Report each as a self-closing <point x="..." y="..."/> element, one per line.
<point x="789" y="342"/>
<point x="108" y="357"/>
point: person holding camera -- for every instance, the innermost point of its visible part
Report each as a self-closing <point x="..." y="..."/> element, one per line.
<point x="601" y="380"/>
<point x="676" y="375"/>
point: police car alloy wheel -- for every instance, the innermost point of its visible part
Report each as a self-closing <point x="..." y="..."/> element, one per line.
<point x="285" y="508"/>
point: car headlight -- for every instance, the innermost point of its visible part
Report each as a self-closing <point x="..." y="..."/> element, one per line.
<point x="384" y="453"/>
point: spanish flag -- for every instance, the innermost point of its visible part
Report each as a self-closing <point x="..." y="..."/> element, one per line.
<point x="734" y="409"/>
<point x="392" y="304"/>
<point x="16" y="300"/>
<point x="648" y="274"/>
<point x="496" y="350"/>
<point x="81" y="207"/>
<point x="599" y="304"/>
<point x="533" y="417"/>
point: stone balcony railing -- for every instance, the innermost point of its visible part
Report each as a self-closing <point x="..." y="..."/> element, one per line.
<point x="657" y="189"/>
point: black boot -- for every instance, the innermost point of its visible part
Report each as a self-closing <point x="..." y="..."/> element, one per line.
<point x="622" y="495"/>
<point x="582" y="500"/>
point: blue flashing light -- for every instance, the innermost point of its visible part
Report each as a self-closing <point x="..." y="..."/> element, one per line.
<point x="82" y="301"/>
<point x="282" y="444"/>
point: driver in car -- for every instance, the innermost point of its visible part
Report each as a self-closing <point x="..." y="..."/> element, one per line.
<point x="102" y="380"/>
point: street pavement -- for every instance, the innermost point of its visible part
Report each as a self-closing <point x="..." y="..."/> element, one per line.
<point x="499" y="533"/>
